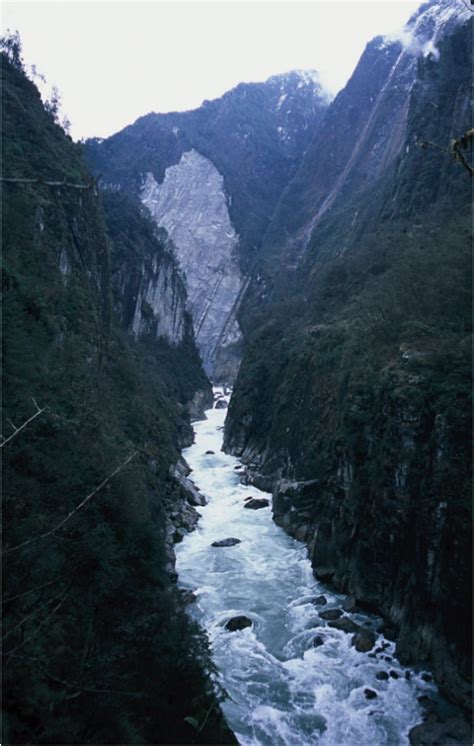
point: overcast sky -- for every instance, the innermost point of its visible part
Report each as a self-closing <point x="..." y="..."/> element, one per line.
<point x="115" y="61"/>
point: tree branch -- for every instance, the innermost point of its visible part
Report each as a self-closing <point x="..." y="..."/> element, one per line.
<point x="32" y="590"/>
<point x="41" y="624"/>
<point x="32" y="614"/>
<point x="16" y="430"/>
<point x="455" y="150"/>
<point x="76" y="509"/>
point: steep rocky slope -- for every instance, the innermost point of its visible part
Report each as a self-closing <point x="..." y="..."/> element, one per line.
<point x="364" y="129"/>
<point x="352" y="400"/>
<point x="96" y="645"/>
<point x="192" y="206"/>
<point x="212" y="178"/>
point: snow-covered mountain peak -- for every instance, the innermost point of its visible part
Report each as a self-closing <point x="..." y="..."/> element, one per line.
<point x="431" y="21"/>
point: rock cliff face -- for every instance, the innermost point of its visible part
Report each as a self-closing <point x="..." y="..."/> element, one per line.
<point x="191" y="204"/>
<point x="363" y="130"/>
<point x="351" y="400"/>
<point x="212" y="178"/>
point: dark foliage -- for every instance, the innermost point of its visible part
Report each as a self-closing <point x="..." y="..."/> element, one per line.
<point x="357" y="373"/>
<point x="96" y="646"/>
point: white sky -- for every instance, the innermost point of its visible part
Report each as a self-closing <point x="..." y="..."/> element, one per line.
<point x="115" y="61"/>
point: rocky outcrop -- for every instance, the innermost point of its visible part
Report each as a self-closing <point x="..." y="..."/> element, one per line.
<point x="237" y="623"/>
<point x="160" y="303"/>
<point x="249" y="141"/>
<point x="181" y="500"/>
<point x="192" y="205"/>
<point x="231" y="542"/>
<point x="256" y="504"/>
<point x="149" y="293"/>
<point x="201" y="401"/>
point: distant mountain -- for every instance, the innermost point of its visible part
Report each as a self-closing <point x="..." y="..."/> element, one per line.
<point x="212" y="177"/>
<point x="364" y="129"/>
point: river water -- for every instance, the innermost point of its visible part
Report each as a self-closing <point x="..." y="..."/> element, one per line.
<point x="283" y="691"/>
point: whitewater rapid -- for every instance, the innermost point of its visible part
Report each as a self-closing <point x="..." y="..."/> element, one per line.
<point x="283" y="691"/>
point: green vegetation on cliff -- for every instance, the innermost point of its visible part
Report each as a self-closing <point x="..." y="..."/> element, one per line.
<point x="358" y="375"/>
<point x="96" y="645"/>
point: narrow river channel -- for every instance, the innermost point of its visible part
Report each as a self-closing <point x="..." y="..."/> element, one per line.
<point x="284" y="690"/>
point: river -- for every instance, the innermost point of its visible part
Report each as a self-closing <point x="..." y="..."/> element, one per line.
<point x="283" y="691"/>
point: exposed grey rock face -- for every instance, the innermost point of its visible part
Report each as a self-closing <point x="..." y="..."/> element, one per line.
<point x="161" y="303"/>
<point x="191" y="204"/>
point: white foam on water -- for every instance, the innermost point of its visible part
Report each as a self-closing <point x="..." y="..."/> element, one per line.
<point x="282" y="690"/>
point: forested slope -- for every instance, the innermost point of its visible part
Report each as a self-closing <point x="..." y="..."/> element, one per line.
<point x="96" y="645"/>
<point x="353" y="398"/>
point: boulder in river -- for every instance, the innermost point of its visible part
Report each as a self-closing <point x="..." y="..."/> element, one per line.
<point x="330" y="615"/>
<point x="320" y="601"/>
<point x="317" y="641"/>
<point x="238" y="622"/>
<point x="221" y="404"/>
<point x="363" y="640"/>
<point x="382" y="676"/>
<point x="257" y="503"/>
<point x="210" y="453"/>
<point x="370" y="694"/>
<point x="225" y="542"/>
<point x="345" y="625"/>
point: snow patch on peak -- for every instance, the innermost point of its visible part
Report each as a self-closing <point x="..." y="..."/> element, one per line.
<point x="309" y="77"/>
<point x="424" y="29"/>
<point x="300" y="77"/>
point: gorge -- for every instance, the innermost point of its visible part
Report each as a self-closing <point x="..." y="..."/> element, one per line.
<point x="310" y="258"/>
<point x="294" y="676"/>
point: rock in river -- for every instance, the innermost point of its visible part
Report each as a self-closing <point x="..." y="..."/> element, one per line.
<point x="331" y="614"/>
<point x="320" y="601"/>
<point x="238" y="622"/>
<point x="370" y="694"/>
<point x="221" y="404"/>
<point x="256" y="503"/>
<point x="345" y="625"/>
<point x="363" y="640"/>
<point x="225" y="542"/>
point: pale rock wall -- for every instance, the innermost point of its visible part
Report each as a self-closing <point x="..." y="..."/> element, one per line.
<point x="191" y="204"/>
<point x="153" y="299"/>
<point x="161" y="303"/>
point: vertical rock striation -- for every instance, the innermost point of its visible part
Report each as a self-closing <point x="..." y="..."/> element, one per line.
<point x="192" y="205"/>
